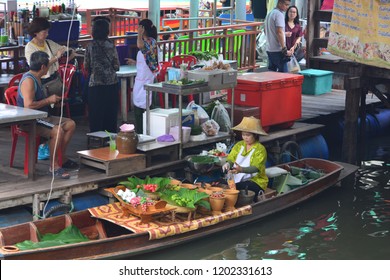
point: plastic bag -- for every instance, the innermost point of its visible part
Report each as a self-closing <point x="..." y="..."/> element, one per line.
<point x="293" y="65"/>
<point x="261" y="47"/>
<point x="221" y="116"/>
<point x="210" y="127"/>
<point x="202" y="114"/>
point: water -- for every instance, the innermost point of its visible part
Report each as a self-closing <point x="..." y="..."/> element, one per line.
<point x="351" y="222"/>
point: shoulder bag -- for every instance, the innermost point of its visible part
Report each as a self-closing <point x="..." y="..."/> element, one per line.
<point x="55" y="85"/>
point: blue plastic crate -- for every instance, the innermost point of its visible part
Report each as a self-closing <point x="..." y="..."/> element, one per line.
<point x="316" y="81"/>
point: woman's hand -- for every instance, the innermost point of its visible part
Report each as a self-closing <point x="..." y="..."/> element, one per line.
<point x="288" y="33"/>
<point x="60" y="52"/>
<point x="130" y="61"/>
<point x="141" y="30"/>
<point x="237" y="168"/>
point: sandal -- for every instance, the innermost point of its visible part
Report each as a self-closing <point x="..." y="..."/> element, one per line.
<point x="60" y="173"/>
<point x="70" y="164"/>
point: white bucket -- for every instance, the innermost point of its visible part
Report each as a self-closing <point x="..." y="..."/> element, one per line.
<point x="174" y="131"/>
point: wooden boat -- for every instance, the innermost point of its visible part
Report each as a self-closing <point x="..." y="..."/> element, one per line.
<point x="109" y="241"/>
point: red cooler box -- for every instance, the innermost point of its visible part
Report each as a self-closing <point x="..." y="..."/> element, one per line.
<point x="278" y="95"/>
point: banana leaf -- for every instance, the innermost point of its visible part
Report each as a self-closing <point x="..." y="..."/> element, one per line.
<point x="195" y="198"/>
<point x="133" y="182"/>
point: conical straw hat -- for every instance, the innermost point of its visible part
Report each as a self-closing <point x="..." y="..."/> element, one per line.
<point x="250" y="124"/>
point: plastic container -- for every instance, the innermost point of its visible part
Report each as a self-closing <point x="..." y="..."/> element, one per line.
<point x="161" y="120"/>
<point x="316" y="81"/>
<point x="212" y="77"/>
<point x="277" y="95"/>
<point x="174" y="131"/>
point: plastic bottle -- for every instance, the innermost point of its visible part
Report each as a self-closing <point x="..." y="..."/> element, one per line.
<point x="230" y="181"/>
<point x="196" y="116"/>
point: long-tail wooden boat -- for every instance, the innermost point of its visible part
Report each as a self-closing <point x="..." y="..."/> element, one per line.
<point x="109" y="240"/>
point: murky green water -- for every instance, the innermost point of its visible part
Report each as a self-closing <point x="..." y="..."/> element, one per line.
<point x="347" y="222"/>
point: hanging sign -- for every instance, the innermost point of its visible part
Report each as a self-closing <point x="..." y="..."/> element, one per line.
<point x="360" y="31"/>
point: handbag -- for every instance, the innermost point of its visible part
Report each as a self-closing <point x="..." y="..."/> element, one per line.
<point x="299" y="53"/>
<point x="54" y="86"/>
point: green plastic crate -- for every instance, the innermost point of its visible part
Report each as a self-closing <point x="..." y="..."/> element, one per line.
<point x="316" y="81"/>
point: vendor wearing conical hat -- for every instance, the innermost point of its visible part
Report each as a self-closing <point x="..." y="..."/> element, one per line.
<point x="248" y="157"/>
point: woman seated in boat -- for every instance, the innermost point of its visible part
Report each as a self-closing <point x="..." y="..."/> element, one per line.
<point x="248" y="157"/>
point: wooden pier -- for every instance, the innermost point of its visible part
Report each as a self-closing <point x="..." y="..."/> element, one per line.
<point x="16" y="190"/>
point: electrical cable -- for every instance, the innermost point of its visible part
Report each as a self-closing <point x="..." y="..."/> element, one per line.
<point x="61" y="114"/>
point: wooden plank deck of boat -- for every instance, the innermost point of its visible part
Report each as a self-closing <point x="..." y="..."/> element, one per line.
<point x="15" y="189"/>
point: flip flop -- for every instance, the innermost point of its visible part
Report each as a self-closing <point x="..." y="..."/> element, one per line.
<point x="60" y="173"/>
<point x="70" y="164"/>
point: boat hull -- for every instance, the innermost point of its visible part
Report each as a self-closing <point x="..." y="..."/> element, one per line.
<point x="112" y="241"/>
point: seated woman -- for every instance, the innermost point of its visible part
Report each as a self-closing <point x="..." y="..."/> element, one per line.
<point x="248" y="157"/>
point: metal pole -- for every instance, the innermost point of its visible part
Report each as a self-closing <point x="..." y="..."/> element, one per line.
<point x="154" y="13"/>
<point x="194" y="13"/>
<point x="241" y="9"/>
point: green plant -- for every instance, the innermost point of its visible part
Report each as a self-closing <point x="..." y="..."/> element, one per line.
<point x="206" y="55"/>
<point x="185" y="198"/>
<point x="136" y="184"/>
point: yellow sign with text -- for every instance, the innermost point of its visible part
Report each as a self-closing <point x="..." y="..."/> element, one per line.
<point x="360" y="31"/>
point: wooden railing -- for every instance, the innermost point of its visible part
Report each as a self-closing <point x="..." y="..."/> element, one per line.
<point x="233" y="42"/>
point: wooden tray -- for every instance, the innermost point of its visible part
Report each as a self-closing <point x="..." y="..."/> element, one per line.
<point x="192" y="85"/>
<point x="160" y="207"/>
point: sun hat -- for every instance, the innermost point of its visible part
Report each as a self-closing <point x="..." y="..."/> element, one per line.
<point x="250" y="124"/>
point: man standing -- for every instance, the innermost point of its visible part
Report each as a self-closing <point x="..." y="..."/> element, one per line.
<point x="277" y="52"/>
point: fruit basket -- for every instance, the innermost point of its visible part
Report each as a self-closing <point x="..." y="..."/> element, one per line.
<point x="146" y="215"/>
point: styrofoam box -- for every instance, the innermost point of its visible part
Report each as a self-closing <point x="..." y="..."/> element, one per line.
<point x="316" y="81"/>
<point x="212" y="77"/>
<point x="161" y="120"/>
<point x="229" y="77"/>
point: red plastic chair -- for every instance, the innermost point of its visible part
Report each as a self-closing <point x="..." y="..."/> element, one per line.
<point x="176" y="61"/>
<point x="69" y="70"/>
<point x="163" y="67"/>
<point x="15" y="80"/>
<point x="10" y="97"/>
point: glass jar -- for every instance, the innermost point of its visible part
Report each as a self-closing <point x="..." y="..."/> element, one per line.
<point x="126" y="142"/>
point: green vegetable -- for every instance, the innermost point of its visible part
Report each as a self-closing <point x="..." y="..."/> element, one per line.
<point x="202" y="159"/>
<point x="204" y="55"/>
<point x="185" y="198"/>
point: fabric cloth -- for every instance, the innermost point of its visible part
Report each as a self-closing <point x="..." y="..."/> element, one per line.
<point x="274" y="20"/>
<point x="144" y="76"/>
<point x="54" y="47"/>
<point x="150" y="52"/>
<point x="164" y="226"/>
<point x="101" y="62"/>
<point x="259" y="9"/>
<point x="103" y="102"/>
<point x="39" y="95"/>
<point x="256" y="156"/>
<point x="296" y="32"/>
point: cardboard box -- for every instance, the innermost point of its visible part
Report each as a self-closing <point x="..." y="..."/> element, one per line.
<point x="277" y="95"/>
<point x="316" y="81"/>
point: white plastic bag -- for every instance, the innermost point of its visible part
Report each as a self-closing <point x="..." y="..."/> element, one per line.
<point x="202" y="114"/>
<point x="293" y="65"/>
<point x="221" y="116"/>
<point x="261" y="47"/>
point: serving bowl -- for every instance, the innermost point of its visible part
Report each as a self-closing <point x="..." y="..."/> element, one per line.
<point x="200" y="163"/>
